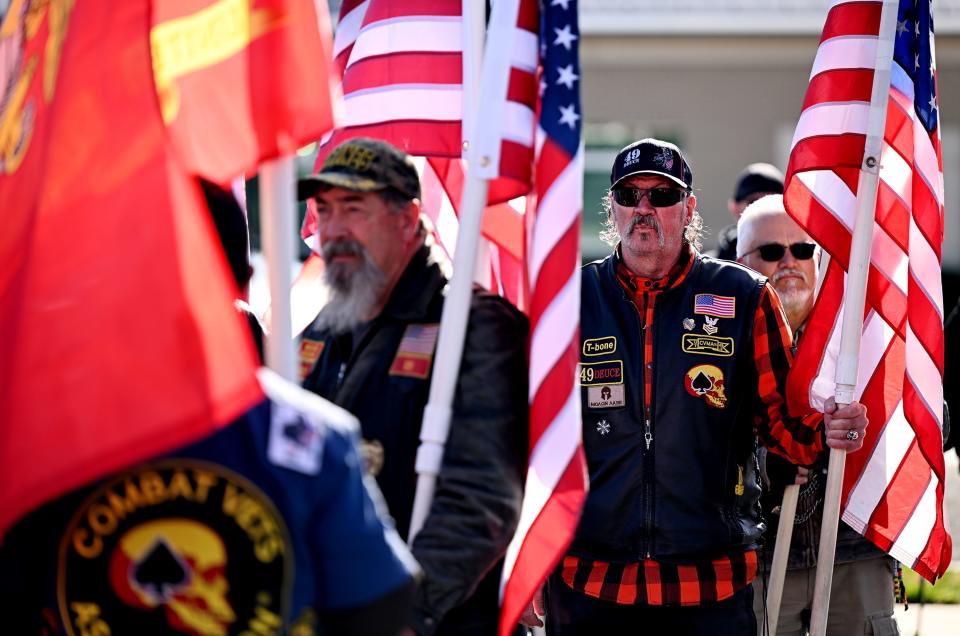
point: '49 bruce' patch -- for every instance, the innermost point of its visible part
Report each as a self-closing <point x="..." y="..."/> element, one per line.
<point x="708" y="345"/>
<point x="597" y="373"/>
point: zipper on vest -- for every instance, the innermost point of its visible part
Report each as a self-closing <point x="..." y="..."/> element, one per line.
<point x="648" y="436"/>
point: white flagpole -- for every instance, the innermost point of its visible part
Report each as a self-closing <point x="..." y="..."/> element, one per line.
<point x="278" y="230"/>
<point x="456" y="305"/>
<point x="853" y="303"/>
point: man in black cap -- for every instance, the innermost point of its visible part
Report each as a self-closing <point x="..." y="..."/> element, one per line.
<point x="755" y="181"/>
<point x="684" y="361"/>
<point x="370" y="351"/>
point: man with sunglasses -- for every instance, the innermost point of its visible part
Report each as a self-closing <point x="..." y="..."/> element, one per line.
<point x="861" y="601"/>
<point x="683" y="365"/>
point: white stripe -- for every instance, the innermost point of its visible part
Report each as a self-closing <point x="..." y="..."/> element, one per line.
<point x="831" y="118"/>
<point x="832" y="193"/>
<point x="887" y="456"/>
<point x="434" y="103"/>
<point x="518" y="123"/>
<point x="417" y="34"/>
<point x="926" y="379"/>
<point x="925" y="159"/>
<point x="835" y="3"/>
<point x="348" y="28"/>
<point x="889" y="259"/>
<point x="525" y="51"/>
<point x="437" y="206"/>
<point x="875" y="339"/>
<point x="549" y="459"/>
<point x="914" y="536"/>
<point x="557" y="326"/>
<point x="845" y="52"/>
<point x="556" y="211"/>
<point x="926" y="268"/>
<point x="896" y="172"/>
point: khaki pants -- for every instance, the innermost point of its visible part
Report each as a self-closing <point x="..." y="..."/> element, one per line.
<point x="861" y="600"/>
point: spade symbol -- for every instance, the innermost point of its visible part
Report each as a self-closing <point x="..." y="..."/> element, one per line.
<point x="298" y="432"/>
<point x="160" y="573"/>
<point x="701" y="384"/>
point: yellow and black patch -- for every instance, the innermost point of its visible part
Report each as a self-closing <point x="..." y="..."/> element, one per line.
<point x="310" y="352"/>
<point x="600" y="346"/>
<point x="597" y="373"/>
<point x="415" y="352"/>
<point x="176" y="546"/>
<point x="708" y="345"/>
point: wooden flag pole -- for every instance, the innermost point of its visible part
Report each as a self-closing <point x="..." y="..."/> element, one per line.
<point x="279" y="231"/>
<point x="854" y="299"/>
<point x="456" y="306"/>
<point x="778" y="570"/>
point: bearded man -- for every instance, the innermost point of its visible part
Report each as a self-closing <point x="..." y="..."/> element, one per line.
<point x="370" y="351"/>
<point x="861" y="600"/>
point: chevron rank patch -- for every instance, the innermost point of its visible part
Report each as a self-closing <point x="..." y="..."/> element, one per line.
<point x="415" y="352"/>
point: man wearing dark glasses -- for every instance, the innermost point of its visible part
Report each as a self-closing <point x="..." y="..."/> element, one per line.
<point x="683" y="364"/>
<point x="861" y="602"/>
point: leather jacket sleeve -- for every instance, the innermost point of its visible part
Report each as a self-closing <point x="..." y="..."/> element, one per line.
<point x="477" y="502"/>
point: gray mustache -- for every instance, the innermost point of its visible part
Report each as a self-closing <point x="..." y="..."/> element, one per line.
<point x="789" y="271"/>
<point x="341" y="248"/>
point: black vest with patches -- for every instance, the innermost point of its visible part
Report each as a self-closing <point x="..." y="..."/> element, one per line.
<point x="693" y="493"/>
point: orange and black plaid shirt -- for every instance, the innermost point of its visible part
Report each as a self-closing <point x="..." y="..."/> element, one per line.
<point x="800" y="439"/>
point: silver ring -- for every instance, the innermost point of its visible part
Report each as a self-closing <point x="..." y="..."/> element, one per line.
<point x="852" y="435"/>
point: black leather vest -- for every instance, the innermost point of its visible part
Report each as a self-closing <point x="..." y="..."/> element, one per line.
<point x="692" y="493"/>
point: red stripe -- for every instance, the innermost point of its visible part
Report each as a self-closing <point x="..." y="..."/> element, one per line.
<point x="528" y="16"/>
<point x="900" y="499"/>
<point x="651" y="575"/>
<point x="404" y="68"/>
<point x="545" y="542"/>
<point x="689" y="585"/>
<point x="926" y="427"/>
<point x="893" y="215"/>
<point x="440" y="139"/>
<point x="840" y="85"/>
<point x="522" y="87"/>
<point x="557" y="268"/>
<point x="349" y="5"/>
<point x="553" y="161"/>
<point x="935" y="557"/>
<point x="925" y="322"/>
<point x="852" y="18"/>
<point x="516" y="164"/>
<point x="828" y="152"/>
<point x="411" y="8"/>
<point x="627" y="591"/>
<point x="554" y="393"/>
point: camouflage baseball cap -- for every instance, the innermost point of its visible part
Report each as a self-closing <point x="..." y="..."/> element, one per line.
<point x="364" y="165"/>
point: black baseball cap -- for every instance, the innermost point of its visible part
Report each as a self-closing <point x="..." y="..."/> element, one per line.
<point x="758" y="178"/>
<point x="651" y="156"/>
<point x="364" y="165"/>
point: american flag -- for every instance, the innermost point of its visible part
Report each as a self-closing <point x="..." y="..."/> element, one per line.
<point x="557" y="477"/>
<point x="893" y="487"/>
<point x="402" y="81"/>
<point x="713" y="305"/>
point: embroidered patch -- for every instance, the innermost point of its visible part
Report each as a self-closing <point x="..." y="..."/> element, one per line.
<point x="689" y="324"/>
<point x="708" y="345"/>
<point x="706" y="381"/>
<point x="713" y="305"/>
<point x="295" y="442"/>
<point x="603" y="427"/>
<point x="178" y="546"/>
<point x="310" y="351"/>
<point x="597" y="373"/>
<point x="606" y="396"/>
<point x="415" y="352"/>
<point x="600" y="346"/>
<point x="710" y="325"/>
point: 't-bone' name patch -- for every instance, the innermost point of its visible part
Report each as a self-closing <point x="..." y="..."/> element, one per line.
<point x="600" y="346"/>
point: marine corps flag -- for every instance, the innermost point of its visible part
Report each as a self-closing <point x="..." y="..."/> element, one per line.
<point x="119" y="336"/>
<point x="241" y="81"/>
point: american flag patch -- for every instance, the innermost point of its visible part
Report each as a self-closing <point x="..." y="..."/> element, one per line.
<point x="415" y="352"/>
<point x="713" y="305"/>
<point x="310" y="351"/>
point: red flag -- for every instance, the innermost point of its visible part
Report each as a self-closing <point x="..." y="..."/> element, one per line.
<point x="557" y="475"/>
<point x="120" y="339"/>
<point x="893" y="488"/>
<point x="241" y="81"/>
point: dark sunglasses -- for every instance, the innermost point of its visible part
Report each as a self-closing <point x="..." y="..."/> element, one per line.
<point x="658" y="197"/>
<point x="773" y="252"/>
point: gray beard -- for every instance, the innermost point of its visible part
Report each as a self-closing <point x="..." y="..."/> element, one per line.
<point x="352" y="295"/>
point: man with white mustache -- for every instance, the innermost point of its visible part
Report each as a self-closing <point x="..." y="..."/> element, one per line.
<point x="861" y="601"/>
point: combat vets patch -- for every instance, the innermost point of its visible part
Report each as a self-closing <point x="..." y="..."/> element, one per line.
<point x="707" y="345"/>
<point x="607" y="396"/>
<point x="706" y="381"/>
<point x="296" y="441"/>
<point x="310" y="351"/>
<point x="179" y="546"/>
<point x="415" y="352"/>
<point x="597" y="373"/>
<point x="713" y="305"/>
<point x="600" y="346"/>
